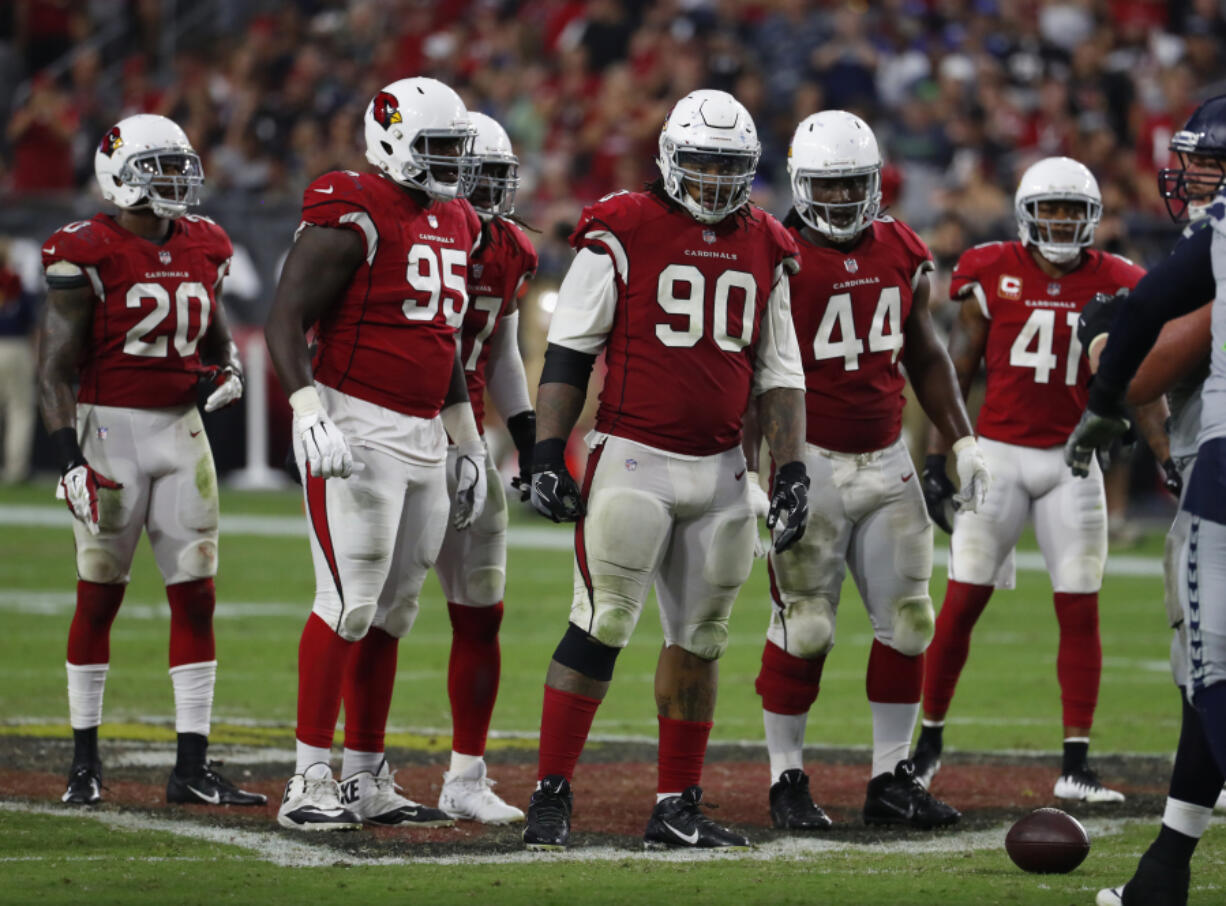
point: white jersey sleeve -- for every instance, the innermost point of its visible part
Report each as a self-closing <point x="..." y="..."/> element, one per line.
<point x="778" y="360"/>
<point x="587" y="301"/>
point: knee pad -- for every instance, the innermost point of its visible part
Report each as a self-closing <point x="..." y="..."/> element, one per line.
<point x="586" y="655"/>
<point x="355" y="622"/>
<point x="100" y="566"/>
<point x="913" y="624"/>
<point x="809" y="626"/>
<point x="730" y="558"/>
<point x="707" y="639"/>
<point x="485" y="585"/>
<point x="198" y="560"/>
<point x="1080" y="575"/>
<point x="400" y="617"/>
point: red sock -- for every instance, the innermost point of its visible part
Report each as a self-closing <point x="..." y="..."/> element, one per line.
<point x="191" y="622"/>
<point x="472" y="674"/>
<point x="89" y="636"/>
<point x="788" y="684"/>
<point x="951" y="644"/>
<point x="369" y="680"/>
<point x="683" y="746"/>
<point x="1079" y="664"/>
<point x="566" y="720"/>
<point x="322" y="658"/>
<point x="893" y="677"/>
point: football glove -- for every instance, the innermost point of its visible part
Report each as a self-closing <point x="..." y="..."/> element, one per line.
<point x="761" y="505"/>
<point x="1095" y="319"/>
<point x="471" y="486"/>
<point x="973" y="475"/>
<point x="324" y="447"/>
<point x="1171" y="479"/>
<point x="522" y="428"/>
<point x="228" y="381"/>
<point x="938" y="491"/>
<point x="79" y="487"/>
<point x="554" y="492"/>
<point x="1094" y="433"/>
<point x="789" y="505"/>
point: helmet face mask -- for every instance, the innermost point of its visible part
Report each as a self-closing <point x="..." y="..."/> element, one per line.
<point x="169" y="180"/>
<point x="145" y="162"/>
<point x="716" y="181"/>
<point x="1190" y="188"/>
<point x="445" y="158"/>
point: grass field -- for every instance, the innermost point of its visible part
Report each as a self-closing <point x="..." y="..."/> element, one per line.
<point x="1008" y="700"/>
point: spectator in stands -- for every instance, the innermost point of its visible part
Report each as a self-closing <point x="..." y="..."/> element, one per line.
<point x="16" y="371"/>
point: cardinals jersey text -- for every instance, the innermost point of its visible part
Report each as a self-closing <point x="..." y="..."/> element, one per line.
<point x="850" y="309"/>
<point x="391" y="339"/>
<point x="1036" y="375"/>
<point x="693" y="320"/>
<point x="497" y="271"/>
<point x="155" y="303"/>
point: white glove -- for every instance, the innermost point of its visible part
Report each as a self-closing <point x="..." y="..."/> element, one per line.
<point x="78" y="487"/>
<point x="471" y="485"/>
<point x="973" y="475"/>
<point x="760" y="503"/>
<point x="323" y="445"/>
<point x="229" y="384"/>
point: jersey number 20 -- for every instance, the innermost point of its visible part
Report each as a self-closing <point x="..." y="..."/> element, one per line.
<point x="140" y="339"/>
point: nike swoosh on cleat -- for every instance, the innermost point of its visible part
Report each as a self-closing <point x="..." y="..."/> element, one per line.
<point x="214" y="799"/>
<point x="907" y="477"/>
<point x="327" y="191"/>
<point x="691" y="838"/>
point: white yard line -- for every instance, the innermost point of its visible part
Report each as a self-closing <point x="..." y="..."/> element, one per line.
<point x="295" y="852"/>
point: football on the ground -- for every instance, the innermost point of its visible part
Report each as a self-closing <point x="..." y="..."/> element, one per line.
<point x="1047" y="841"/>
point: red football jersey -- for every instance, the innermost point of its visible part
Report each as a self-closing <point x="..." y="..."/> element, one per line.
<point x="1036" y="375"/>
<point x="155" y="303"/>
<point x="497" y="271"/>
<point x="850" y="309"/>
<point x="391" y="339"/>
<point x="691" y="297"/>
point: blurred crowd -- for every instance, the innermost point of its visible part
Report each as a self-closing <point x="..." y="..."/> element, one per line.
<point x="962" y="93"/>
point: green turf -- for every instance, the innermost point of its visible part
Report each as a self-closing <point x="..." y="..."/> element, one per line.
<point x="1008" y="697"/>
<point x="51" y="860"/>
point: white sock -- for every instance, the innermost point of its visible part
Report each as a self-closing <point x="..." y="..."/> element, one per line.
<point x="785" y="741"/>
<point x="660" y="797"/>
<point x="354" y="762"/>
<point x="893" y="725"/>
<point x="933" y="723"/>
<point x="308" y="755"/>
<point x="193" y="685"/>
<point x="86" y="683"/>
<point x="1186" y="818"/>
<point x="461" y="762"/>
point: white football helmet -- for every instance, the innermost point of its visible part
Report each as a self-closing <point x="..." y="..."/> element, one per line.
<point x="709" y="151"/>
<point x="146" y="161"/>
<point x="838" y="147"/>
<point x="419" y="134"/>
<point x="1057" y="179"/>
<point x="497" y="169"/>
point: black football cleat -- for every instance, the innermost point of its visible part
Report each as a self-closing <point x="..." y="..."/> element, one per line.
<point x="1154" y="884"/>
<point x="927" y="757"/>
<point x="84" y="785"/>
<point x="792" y="807"/>
<point x="204" y="786"/>
<point x="900" y="799"/>
<point x="678" y="821"/>
<point x="547" y="826"/>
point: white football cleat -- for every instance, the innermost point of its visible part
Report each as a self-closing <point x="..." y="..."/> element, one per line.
<point x="312" y="803"/>
<point x="375" y="799"/>
<point x="1110" y="896"/>
<point x="468" y="794"/>
<point x="1220" y="805"/>
<point x="1083" y="785"/>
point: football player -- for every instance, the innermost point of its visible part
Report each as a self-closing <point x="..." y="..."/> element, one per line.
<point x="683" y="288"/>
<point x="1020" y="303"/>
<point x="1175" y="289"/>
<point x="472" y="563"/>
<point x="860" y="307"/>
<point x="133" y="313"/>
<point x="379" y="268"/>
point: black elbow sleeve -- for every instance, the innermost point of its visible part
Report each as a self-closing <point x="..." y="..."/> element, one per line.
<point x="566" y="366"/>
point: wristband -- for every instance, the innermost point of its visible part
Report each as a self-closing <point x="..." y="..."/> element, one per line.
<point x="549" y="454"/>
<point x="305" y="401"/>
<point x="67" y="449"/>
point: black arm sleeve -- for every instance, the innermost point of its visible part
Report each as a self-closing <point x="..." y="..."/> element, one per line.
<point x="1179" y="285"/>
<point x="566" y="366"/>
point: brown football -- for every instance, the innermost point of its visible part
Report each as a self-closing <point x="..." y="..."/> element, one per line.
<point x="1047" y="841"/>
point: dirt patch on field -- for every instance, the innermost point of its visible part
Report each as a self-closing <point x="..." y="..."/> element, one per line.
<point x="614" y="792"/>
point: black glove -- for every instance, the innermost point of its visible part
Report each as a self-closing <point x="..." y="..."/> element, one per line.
<point x="523" y="432"/>
<point x="1095" y="319"/>
<point x="938" y="491"/>
<point x="554" y="492"/>
<point x="1172" y="480"/>
<point x="790" y="495"/>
